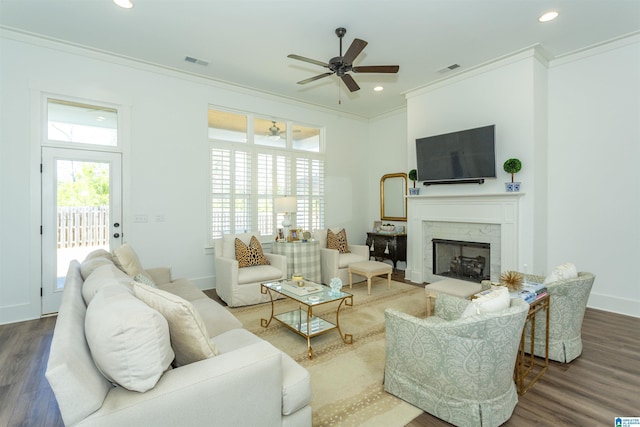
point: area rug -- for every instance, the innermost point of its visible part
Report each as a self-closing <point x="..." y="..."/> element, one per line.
<point x="346" y="380"/>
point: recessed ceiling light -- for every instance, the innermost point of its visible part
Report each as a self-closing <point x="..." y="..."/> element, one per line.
<point x="125" y="4"/>
<point x="378" y="88"/>
<point x="549" y="16"/>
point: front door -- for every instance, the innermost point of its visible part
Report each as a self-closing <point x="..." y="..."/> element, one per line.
<point x="81" y="212"/>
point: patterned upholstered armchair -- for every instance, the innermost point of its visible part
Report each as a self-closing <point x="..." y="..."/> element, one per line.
<point x="568" y="301"/>
<point x="459" y="369"/>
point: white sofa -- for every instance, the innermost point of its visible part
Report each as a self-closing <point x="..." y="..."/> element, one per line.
<point x="249" y="383"/>
<point x="334" y="264"/>
<point x="241" y="286"/>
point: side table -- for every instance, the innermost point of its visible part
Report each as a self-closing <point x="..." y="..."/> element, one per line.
<point x="527" y="364"/>
<point x="302" y="257"/>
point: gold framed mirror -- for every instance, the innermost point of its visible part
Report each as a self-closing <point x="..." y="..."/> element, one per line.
<point x="393" y="200"/>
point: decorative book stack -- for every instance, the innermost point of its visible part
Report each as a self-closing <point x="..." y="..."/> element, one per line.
<point x="530" y="292"/>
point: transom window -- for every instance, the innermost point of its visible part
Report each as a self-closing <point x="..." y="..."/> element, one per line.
<point x="69" y="121"/>
<point x="255" y="160"/>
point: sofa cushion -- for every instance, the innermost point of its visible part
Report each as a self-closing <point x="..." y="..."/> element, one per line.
<point x="562" y="272"/>
<point x="189" y="336"/>
<point x="338" y="241"/>
<point x="90" y="264"/>
<point x="489" y="301"/>
<point x="129" y="340"/>
<point x="103" y="276"/>
<point x="184" y="289"/>
<point x="250" y="255"/>
<point x="126" y="259"/>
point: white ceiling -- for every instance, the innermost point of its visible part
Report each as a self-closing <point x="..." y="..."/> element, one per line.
<point x="246" y="42"/>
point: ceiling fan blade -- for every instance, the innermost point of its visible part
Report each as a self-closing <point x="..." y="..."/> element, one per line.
<point x="376" y="69"/>
<point x="354" y="50"/>
<point x="309" y="60"/>
<point x="350" y="83"/>
<point x="311" y="79"/>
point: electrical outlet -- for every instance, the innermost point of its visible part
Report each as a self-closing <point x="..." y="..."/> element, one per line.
<point x="141" y="218"/>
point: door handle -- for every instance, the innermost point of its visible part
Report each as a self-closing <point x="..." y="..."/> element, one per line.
<point x="116" y="225"/>
<point x="116" y="235"/>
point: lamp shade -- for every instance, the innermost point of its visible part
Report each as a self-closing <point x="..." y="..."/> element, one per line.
<point x="287" y="204"/>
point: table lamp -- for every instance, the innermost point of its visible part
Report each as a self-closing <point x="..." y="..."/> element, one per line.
<point x="286" y="205"/>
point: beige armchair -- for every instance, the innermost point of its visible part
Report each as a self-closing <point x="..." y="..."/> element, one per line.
<point x="334" y="264"/>
<point x="241" y="286"/>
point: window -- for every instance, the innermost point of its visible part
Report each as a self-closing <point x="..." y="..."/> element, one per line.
<point x="253" y="161"/>
<point x="69" y="121"/>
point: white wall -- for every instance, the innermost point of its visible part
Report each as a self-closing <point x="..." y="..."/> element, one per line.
<point x="166" y="161"/>
<point x="576" y="127"/>
<point x="594" y="178"/>
<point x="503" y="93"/>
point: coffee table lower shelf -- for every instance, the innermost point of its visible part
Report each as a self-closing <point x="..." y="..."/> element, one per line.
<point x="302" y="321"/>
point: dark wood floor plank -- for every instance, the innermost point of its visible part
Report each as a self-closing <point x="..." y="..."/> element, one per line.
<point x="604" y="382"/>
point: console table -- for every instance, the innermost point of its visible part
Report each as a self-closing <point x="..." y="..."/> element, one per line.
<point x="302" y="257"/>
<point x="387" y="246"/>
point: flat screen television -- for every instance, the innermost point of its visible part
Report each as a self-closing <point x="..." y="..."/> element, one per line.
<point x="466" y="155"/>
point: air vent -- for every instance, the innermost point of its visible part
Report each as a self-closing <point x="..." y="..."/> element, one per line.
<point x="196" y="61"/>
<point x="449" y="68"/>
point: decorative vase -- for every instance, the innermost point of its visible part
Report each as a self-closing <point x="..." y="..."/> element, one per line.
<point x="413" y="191"/>
<point x="335" y="284"/>
<point x="512" y="187"/>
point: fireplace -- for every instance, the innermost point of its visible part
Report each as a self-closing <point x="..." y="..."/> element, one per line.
<point x="463" y="260"/>
<point x="484" y="218"/>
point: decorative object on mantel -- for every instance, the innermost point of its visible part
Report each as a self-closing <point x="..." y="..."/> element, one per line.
<point x="512" y="280"/>
<point x="512" y="166"/>
<point x="413" y="176"/>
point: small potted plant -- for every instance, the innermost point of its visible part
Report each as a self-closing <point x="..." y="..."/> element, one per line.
<point x="512" y="166"/>
<point x="413" y="176"/>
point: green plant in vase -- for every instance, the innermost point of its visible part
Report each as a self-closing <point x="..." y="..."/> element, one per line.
<point x="512" y="166"/>
<point x="413" y="176"/>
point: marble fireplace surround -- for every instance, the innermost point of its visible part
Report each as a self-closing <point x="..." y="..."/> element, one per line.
<point x="476" y="210"/>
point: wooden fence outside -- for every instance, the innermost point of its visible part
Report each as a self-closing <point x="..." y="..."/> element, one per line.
<point x="83" y="226"/>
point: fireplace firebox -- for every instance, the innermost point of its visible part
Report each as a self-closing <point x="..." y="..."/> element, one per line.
<point x="462" y="260"/>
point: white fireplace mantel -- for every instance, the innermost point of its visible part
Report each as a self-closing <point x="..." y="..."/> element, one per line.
<point x="494" y="208"/>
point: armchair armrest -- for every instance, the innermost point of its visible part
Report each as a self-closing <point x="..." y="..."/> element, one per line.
<point x="211" y="390"/>
<point x="328" y="264"/>
<point x="226" y="276"/>
<point x="362" y="250"/>
<point x="279" y="262"/>
<point x="160" y="275"/>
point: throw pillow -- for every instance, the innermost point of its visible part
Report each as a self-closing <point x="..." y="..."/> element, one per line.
<point x="251" y="255"/>
<point x="562" y="272"/>
<point x="338" y="241"/>
<point x="489" y="301"/>
<point x="189" y="337"/>
<point x="129" y="341"/>
<point x="126" y="259"/>
<point x="145" y="280"/>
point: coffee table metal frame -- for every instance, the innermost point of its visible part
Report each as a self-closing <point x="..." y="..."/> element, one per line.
<point x="526" y="363"/>
<point x="302" y="321"/>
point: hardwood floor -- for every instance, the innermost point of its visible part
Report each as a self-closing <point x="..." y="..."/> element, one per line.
<point x="590" y="391"/>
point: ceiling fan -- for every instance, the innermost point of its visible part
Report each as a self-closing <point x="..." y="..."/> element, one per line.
<point x="341" y="65"/>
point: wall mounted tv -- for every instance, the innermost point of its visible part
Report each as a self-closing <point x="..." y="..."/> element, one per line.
<point x="457" y="157"/>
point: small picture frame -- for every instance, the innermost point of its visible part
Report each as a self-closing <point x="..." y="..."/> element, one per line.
<point x="280" y="234"/>
<point x="294" y="235"/>
<point x="376" y="226"/>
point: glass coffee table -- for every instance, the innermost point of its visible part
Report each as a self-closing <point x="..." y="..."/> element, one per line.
<point x="302" y="321"/>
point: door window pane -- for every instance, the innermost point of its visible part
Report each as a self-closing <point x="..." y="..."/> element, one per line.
<point x="81" y="123"/>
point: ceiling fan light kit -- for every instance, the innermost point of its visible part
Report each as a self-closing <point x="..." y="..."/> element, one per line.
<point x="342" y="65"/>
